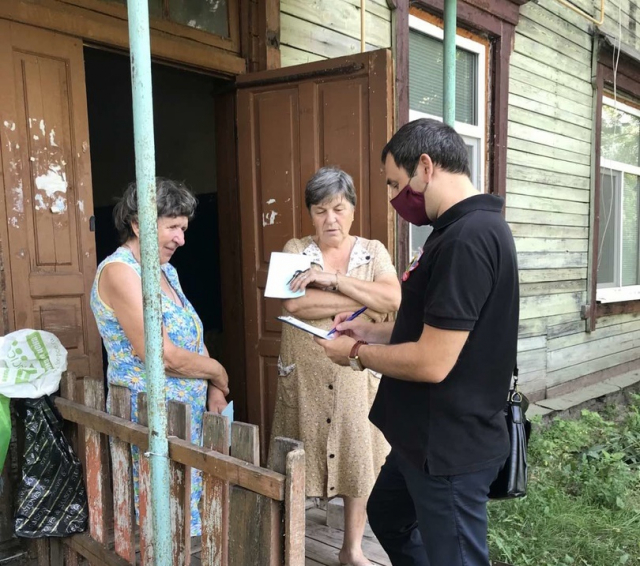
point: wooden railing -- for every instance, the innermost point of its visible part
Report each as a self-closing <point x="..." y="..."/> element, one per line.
<point x="251" y="516"/>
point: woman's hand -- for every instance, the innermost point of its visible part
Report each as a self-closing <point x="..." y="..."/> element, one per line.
<point x="216" y="401"/>
<point x="313" y="277"/>
<point x="221" y="381"/>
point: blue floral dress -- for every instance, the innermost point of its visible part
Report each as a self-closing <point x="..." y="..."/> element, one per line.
<point x="125" y="368"/>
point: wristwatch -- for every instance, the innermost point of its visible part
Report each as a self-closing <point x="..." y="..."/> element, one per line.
<point x="354" y="359"/>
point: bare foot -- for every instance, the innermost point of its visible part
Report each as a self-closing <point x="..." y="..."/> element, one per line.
<point x="353" y="558"/>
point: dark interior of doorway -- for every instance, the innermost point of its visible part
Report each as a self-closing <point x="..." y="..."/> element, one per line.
<point x="183" y="108"/>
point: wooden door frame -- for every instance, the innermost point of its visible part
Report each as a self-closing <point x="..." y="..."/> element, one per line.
<point x="258" y="42"/>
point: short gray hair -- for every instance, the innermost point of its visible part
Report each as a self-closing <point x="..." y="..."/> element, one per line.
<point x="328" y="183"/>
<point x="173" y="199"/>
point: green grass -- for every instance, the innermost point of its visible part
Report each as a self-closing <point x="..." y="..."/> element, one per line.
<point x="583" y="502"/>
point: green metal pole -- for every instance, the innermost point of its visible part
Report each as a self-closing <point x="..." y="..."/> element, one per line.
<point x="450" y="16"/>
<point x="150" y="261"/>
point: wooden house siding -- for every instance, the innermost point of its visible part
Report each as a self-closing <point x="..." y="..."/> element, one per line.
<point x="311" y="31"/>
<point x="549" y="180"/>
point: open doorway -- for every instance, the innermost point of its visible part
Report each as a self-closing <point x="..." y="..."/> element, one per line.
<point x="185" y="138"/>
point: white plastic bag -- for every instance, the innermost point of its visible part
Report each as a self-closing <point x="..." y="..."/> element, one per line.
<point x="31" y="364"/>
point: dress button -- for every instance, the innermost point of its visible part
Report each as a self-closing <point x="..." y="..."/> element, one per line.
<point x="332" y="455"/>
<point x="368" y="257"/>
<point x="329" y="421"/>
<point x="332" y="489"/>
<point x="330" y="386"/>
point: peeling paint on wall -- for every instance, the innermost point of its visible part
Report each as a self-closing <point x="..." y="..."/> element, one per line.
<point x="54" y="181"/>
<point x="269" y="218"/>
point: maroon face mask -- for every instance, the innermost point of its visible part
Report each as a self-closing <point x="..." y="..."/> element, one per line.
<point x="410" y="205"/>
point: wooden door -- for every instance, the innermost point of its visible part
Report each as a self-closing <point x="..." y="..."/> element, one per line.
<point x="48" y="248"/>
<point x="290" y="123"/>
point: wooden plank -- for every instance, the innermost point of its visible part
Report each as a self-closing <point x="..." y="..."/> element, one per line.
<point x="533" y="276"/>
<point x="539" y="68"/>
<point x="341" y="16"/>
<point x="552" y="57"/>
<point x="522" y="230"/>
<point x="94" y="552"/>
<point x="531" y="307"/>
<point x="317" y="532"/>
<point x="124" y="515"/>
<point x="546" y="178"/>
<point x="533" y="134"/>
<point x="179" y="425"/>
<point x="519" y="215"/>
<point x="230" y="469"/>
<point x="558" y="12"/>
<point x="540" y="17"/>
<point x="547" y="151"/>
<point x="581" y="353"/>
<point x="535" y="93"/>
<point x="532" y="361"/>
<point x="294" y="520"/>
<point x="546" y="163"/>
<point x="549" y="124"/>
<point x="294" y="56"/>
<point x="551" y="245"/>
<point x="254" y="520"/>
<point x="97" y="467"/>
<point x="618" y="308"/>
<point x="567" y="40"/>
<point x="144" y="491"/>
<point x="594" y="337"/>
<point x="544" y="108"/>
<point x="553" y="287"/>
<point x="533" y="343"/>
<point x="323" y="41"/>
<point x="546" y="260"/>
<point x="609" y="360"/>
<point x="546" y="85"/>
<point x="548" y="204"/>
<point x="287" y="456"/>
<point x="215" y="496"/>
<point x="545" y="191"/>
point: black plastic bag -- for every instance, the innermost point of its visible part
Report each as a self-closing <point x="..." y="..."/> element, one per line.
<point x="52" y="500"/>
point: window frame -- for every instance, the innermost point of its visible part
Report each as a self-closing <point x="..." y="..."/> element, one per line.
<point x="230" y="43"/>
<point x="627" y="83"/>
<point x="474" y="133"/>
<point x="467" y="131"/>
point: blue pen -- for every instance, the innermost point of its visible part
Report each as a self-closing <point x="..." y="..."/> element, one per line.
<point x="354" y="315"/>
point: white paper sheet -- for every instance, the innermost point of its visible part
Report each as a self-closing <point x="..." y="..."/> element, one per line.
<point x="281" y="269"/>
<point x="307" y="327"/>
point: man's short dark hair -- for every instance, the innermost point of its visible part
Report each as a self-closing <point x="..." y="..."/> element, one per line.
<point x="440" y="142"/>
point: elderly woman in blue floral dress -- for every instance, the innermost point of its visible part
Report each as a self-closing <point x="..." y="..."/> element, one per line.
<point x="116" y="300"/>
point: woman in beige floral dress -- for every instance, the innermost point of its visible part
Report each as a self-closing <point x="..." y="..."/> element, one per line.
<point x="325" y="405"/>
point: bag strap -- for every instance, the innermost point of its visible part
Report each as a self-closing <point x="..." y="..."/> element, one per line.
<point x="515" y="375"/>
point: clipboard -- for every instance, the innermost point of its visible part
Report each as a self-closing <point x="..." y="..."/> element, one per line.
<point x="319" y="332"/>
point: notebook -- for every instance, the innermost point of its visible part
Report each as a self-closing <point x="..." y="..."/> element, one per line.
<point x="282" y="268"/>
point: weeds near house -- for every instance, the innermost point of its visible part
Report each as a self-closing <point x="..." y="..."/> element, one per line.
<point x="583" y="502"/>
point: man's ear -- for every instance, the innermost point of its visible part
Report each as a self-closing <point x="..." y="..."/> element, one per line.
<point x="136" y="228"/>
<point x="425" y="168"/>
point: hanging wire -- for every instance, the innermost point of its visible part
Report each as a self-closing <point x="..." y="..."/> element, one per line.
<point x="615" y="61"/>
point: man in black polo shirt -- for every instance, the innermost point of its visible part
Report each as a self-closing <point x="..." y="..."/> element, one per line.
<point x="447" y="360"/>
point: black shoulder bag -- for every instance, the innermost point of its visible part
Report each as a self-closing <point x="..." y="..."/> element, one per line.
<point x="512" y="479"/>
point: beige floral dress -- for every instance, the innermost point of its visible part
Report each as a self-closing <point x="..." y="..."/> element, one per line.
<point x="325" y="405"/>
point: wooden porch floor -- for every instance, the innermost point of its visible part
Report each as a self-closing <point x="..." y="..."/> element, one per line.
<point x="323" y="543"/>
